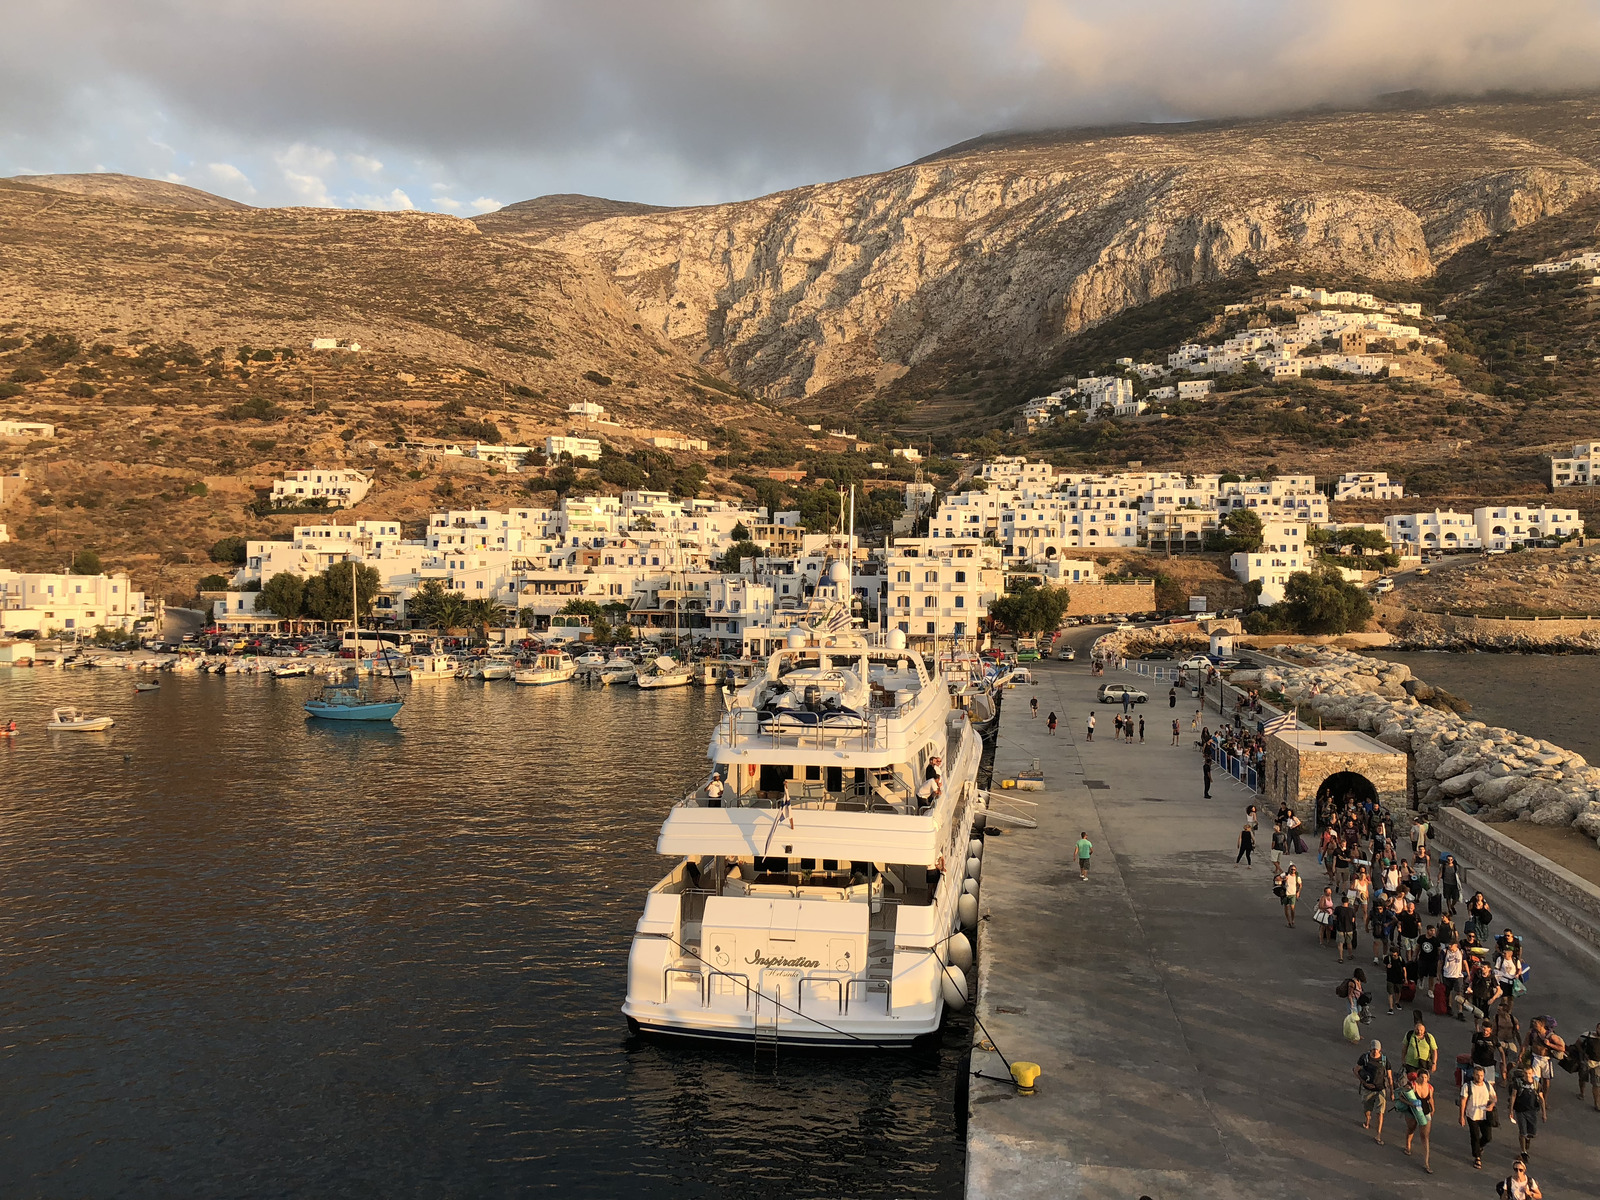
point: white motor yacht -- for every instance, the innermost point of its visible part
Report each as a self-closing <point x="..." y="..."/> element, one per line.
<point x="552" y="666"/>
<point x="618" y="670"/>
<point x="817" y="893"/>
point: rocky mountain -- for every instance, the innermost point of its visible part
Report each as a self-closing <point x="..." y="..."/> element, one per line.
<point x="132" y="190"/>
<point x="548" y="215"/>
<point x="1006" y="247"/>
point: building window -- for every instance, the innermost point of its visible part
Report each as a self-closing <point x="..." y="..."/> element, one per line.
<point x="961" y="576"/>
<point x="961" y="601"/>
<point x="903" y="577"/>
<point x="927" y="577"/>
<point x="932" y="628"/>
<point x="930" y="602"/>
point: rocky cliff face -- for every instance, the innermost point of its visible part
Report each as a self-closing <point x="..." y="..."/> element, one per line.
<point x="1006" y="246"/>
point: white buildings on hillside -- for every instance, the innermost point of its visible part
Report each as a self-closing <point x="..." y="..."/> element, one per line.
<point x="330" y="487"/>
<point x="1367" y="485"/>
<point x="27" y="429"/>
<point x="1282" y="553"/>
<point x="937" y="590"/>
<point x="1582" y="469"/>
<point x="578" y="447"/>
<point x="1587" y="261"/>
<point x="70" y="604"/>
<point x="1501" y="527"/>
<point x="1489" y="528"/>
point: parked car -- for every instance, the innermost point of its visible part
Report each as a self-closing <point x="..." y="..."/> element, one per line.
<point x="1113" y="693"/>
<point x="1195" y="662"/>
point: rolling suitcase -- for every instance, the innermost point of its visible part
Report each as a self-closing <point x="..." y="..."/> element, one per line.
<point x="1441" y="1000"/>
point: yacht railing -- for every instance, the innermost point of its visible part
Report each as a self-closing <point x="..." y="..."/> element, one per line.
<point x="884" y="795"/>
<point x="743" y="727"/>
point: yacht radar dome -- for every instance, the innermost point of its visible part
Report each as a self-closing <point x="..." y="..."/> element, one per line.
<point x="897" y="639"/>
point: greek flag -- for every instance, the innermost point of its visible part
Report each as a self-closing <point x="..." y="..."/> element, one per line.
<point x="1279" y="724"/>
<point x="836" y="621"/>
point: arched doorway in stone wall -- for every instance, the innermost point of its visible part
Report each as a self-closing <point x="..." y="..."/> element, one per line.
<point x="1340" y="786"/>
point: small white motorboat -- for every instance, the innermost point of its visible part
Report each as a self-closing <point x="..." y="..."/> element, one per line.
<point x="291" y="670"/>
<point x="71" y="718"/>
<point x="143" y="686"/>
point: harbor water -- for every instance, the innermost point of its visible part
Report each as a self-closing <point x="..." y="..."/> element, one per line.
<point x="1548" y="696"/>
<point x="247" y="955"/>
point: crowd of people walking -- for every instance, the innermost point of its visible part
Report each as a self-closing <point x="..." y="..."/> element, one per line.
<point x="1399" y="901"/>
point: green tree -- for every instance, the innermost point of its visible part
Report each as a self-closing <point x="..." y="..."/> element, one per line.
<point x="86" y="562"/>
<point x="212" y="583"/>
<point x="740" y="532"/>
<point x="327" y="596"/>
<point x="423" y="604"/>
<point x="1240" y="530"/>
<point x="1030" y="609"/>
<point x="228" y="550"/>
<point x="729" y="562"/>
<point x="596" y="615"/>
<point x="562" y="479"/>
<point x="1323" y="602"/>
<point x="283" y="595"/>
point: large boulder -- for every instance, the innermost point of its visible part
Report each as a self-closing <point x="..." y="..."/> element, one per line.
<point x="1457" y="764"/>
<point x="1497" y="789"/>
<point x="1429" y="756"/>
<point x="1561" y="812"/>
<point x="1460" y="785"/>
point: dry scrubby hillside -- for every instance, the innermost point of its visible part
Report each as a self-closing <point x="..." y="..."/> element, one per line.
<point x="1004" y="248"/>
<point x="929" y="301"/>
<point x="170" y="347"/>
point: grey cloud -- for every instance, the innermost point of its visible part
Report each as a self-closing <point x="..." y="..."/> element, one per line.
<point x="685" y="100"/>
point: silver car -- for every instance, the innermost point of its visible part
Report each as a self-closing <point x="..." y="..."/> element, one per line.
<point x="1114" y="693"/>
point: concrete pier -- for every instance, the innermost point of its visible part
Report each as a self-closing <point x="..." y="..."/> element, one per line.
<point x="1189" y="1040"/>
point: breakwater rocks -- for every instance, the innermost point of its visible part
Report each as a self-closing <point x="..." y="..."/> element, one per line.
<point x="1496" y="774"/>
<point x="1415" y="630"/>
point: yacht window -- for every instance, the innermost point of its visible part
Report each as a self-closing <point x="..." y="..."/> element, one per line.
<point x="835" y="779"/>
<point x="813" y="773"/>
<point x="774" y="776"/>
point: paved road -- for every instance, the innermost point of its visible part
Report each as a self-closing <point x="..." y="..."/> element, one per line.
<point x="1190" y="1041"/>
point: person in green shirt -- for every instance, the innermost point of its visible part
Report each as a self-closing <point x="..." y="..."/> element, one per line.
<point x="1085" y="848"/>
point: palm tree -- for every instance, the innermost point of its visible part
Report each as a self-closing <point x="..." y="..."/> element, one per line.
<point x="481" y="614"/>
<point x="451" y="612"/>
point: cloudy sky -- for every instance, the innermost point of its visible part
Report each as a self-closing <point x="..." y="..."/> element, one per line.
<point x="464" y="105"/>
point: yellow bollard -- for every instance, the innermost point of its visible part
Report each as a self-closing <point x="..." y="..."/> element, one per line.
<point x="1026" y="1075"/>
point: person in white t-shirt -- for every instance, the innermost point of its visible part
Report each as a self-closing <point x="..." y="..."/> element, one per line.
<point x="1477" y="1103"/>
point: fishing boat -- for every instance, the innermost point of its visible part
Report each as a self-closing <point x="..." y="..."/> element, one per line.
<point x="552" y="666"/>
<point x="432" y="666"/>
<point x="665" y="672"/>
<point x="344" y="699"/>
<point x="71" y="719"/>
<point x="827" y="867"/>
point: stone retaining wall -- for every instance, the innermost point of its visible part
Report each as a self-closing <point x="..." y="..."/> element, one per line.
<point x="1100" y="599"/>
<point x="1549" y="889"/>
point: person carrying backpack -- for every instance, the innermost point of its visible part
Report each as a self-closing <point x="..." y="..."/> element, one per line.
<point x="1422" y="1051"/>
<point x="1375" y="1080"/>
<point x="1588" y="1053"/>
<point x="1519" y="1185"/>
<point x="1525" y="1107"/>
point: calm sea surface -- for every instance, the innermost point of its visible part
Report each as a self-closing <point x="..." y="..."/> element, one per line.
<point x="1552" y="696"/>
<point x="243" y="955"/>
